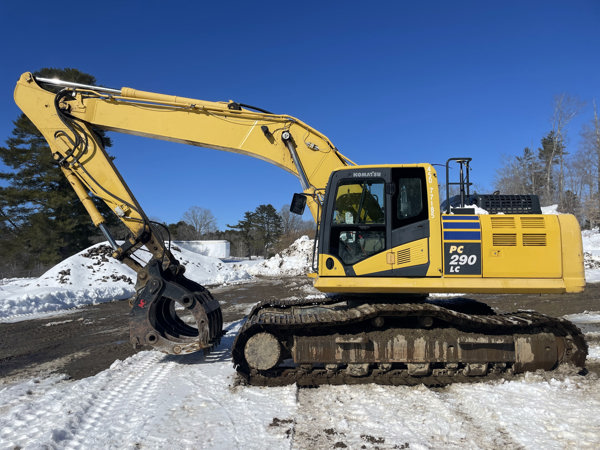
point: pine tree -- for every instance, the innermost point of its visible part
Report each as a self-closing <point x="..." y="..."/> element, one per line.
<point x="268" y="225"/>
<point x="549" y="154"/>
<point x="245" y="227"/>
<point x="260" y="229"/>
<point x="42" y="216"/>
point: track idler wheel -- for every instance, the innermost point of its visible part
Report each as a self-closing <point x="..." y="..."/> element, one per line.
<point x="174" y="316"/>
<point x="262" y="351"/>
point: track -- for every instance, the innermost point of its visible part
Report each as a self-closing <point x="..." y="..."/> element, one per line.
<point x="311" y="331"/>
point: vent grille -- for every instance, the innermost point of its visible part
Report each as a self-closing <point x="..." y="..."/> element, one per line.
<point x="404" y="256"/>
<point x="532" y="222"/>
<point x="504" y="240"/>
<point x="503" y="222"/>
<point x="534" y="240"/>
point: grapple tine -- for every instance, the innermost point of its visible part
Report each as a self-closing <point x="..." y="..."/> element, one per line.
<point x="174" y="314"/>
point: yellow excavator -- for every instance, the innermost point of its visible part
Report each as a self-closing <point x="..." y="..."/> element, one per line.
<point x="384" y="243"/>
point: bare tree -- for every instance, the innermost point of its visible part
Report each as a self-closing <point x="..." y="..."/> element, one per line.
<point x="293" y="226"/>
<point x="590" y="150"/>
<point x="201" y="219"/>
<point x="290" y="223"/>
<point x="581" y="174"/>
<point x="566" y="108"/>
<point x="518" y="175"/>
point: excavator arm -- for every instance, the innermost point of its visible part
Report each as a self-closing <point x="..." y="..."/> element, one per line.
<point x="68" y="120"/>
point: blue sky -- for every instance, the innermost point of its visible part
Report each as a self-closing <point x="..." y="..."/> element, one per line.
<point x="387" y="82"/>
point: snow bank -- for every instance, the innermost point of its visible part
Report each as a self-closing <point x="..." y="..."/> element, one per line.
<point x="93" y="276"/>
<point x="591" y="254"/>
<point x="295" y="260"/>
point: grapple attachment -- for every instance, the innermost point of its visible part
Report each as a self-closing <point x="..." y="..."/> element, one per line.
<point x="173" y="314"/>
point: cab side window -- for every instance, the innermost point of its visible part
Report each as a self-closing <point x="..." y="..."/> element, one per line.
<point x="409" y="199"/>
<point x="410" y="203"/>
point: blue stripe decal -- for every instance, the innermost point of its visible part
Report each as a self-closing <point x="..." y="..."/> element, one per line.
<point x="462" y="235"/>
<point x="472" y="218"/>
<point x="462" y="225"/>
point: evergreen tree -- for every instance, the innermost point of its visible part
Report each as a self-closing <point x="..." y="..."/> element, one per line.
<point x="550" y="155"/>
<point x="268" y="225"/>
<point x="260" y="229"/>
<point x="182" y="231"/>
<point x="245" y="227"/>
<point x="43" y="218"/>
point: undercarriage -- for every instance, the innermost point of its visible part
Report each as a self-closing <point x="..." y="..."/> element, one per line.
<point x="344" y="341"/>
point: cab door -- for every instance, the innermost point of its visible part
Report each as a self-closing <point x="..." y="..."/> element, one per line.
<point x="409" y="222"/>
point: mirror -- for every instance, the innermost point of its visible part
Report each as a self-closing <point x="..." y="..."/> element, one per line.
<point x="298" y="204"/>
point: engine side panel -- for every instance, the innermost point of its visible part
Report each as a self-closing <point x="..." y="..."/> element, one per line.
<point x="515" y="246"/>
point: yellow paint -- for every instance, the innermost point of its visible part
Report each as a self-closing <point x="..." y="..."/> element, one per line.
<point x="336" y="271"/>
<point x="446" y="284"/>
<point x="521" y="246"/>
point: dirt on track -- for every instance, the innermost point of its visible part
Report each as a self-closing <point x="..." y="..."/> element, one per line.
<point x="88" y="340"/>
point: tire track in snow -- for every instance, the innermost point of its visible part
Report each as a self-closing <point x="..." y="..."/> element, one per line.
<point x="136" y="389"/>
<point x="89" y="411"/>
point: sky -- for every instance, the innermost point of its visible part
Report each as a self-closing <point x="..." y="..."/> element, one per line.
<point x="388" y="82"/>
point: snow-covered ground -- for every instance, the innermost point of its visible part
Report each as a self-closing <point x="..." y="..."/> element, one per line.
<point x="155" y="401"/>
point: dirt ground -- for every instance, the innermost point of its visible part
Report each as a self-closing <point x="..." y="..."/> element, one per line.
<point x="88" y="340"/>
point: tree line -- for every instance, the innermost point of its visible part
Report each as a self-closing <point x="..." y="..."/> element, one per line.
<point x="262" y="232"/>
<point x="570" y="179"/>
<point x="42" y="220"/>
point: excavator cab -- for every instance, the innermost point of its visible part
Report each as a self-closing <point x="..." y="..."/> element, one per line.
<point x="369" y="211"/>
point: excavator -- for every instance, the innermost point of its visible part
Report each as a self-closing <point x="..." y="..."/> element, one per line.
<point x="383" y="244"/>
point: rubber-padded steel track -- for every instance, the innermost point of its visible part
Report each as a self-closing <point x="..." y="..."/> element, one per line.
<point x="290" y="320"/>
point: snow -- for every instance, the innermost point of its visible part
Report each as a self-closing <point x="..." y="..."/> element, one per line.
<point x="151" y="400"/>
<point x="93" y="276"/>
<point x="216" y="248"/>
<point x="591" y="252"/>
<point x="552" y="209"/>
<point x="295" y="260"/>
